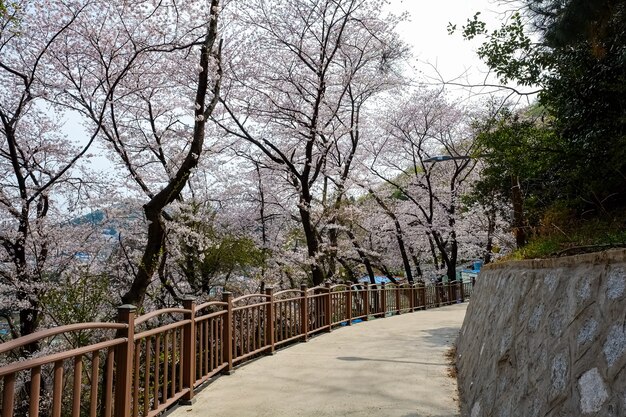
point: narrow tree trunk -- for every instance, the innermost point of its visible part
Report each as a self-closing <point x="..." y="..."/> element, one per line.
<point x="518" y="212"/>
<point x="491" y="227"/>
<point x="349" y="272"/>
<point x="388" y="273"/>
<point x="317" y="274"/>
<point x="433" y="250"/>
<point x="362" y="255"/>
<point x="416" y="262"/>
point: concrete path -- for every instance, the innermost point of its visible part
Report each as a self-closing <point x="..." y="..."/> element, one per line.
<point x="391" y="367"/>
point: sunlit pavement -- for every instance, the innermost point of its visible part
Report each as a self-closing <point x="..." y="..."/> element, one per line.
<point x="392" y="367"/>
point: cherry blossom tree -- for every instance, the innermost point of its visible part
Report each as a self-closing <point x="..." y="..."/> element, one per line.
<point x="303" y="107"/>
<point x="154" y="71"/>
<point x="428" y="125"/>
<point x="38" y="164"/>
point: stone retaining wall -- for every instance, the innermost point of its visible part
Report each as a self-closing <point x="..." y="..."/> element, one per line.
<point x="546" y="338"/>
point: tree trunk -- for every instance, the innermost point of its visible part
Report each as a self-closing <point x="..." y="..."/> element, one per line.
<point x="491" y="227"/>
<point x="362" y="255"/>
<point x="518" y="213"/>
<point x="399" y="235"/>
<point x="172" y="191"/>
<point x="349" y="272"/>
<point x="312" y="244"/>
<point x="416" y="262"/>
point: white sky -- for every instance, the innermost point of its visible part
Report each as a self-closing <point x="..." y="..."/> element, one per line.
<point x="426" y="31"/>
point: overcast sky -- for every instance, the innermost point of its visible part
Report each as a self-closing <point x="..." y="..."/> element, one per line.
<point x="426" y="31"/>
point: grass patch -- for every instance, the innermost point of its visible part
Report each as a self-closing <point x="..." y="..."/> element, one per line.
<point x="571" y="236"/>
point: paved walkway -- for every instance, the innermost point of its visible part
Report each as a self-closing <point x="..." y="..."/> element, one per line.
<point x="391" y="367"/>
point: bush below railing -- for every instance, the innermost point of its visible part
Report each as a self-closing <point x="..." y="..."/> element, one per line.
<point x="144" y="370"/>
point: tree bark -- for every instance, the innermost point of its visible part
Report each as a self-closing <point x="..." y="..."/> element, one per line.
<point x="363" y="256"/>
<point x="518" y="212"/>
<point x="154" y="208"/>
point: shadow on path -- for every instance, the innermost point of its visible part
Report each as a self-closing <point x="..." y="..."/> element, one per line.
<point x="440" y="337"/>
<point x="356" y="358"/>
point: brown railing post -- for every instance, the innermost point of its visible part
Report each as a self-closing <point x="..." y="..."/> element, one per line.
<point x="349" y="305"/>
<point x="8" y="395"/>
<point x="124" y="361"/>
<point x="189" y="350"/>
<point x="397" y="290"/>
<point x="383" y="301"/>
<point x="366" y="301"/>
<point x="227" y="336"/>
<point x="269" y="314"/>
<point x="423" y="292"/>
<point x="451" y="292"/>
<point x="328" y="308"/>
<point x="304" y="313"/>
<point x="438" y="288"/>
<point x="411" y="297"/>
<point x="462" y="289"/>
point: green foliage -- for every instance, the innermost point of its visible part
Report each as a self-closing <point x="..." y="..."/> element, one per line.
<point x="10" y="16"/>
<point x="214" y="253"/>
<point x="229" y="253"/>
<point x="78" y="299"/>
<point x="508" y="50"/>
<point x="578" y="157"/>
<point x="516" y="148"/>
<point x="398" y="195"/>
<point x="538" y="247"/>
<point x="575" y="236"/>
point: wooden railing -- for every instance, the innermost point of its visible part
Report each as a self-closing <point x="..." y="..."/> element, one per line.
<point x="143" y="365"/>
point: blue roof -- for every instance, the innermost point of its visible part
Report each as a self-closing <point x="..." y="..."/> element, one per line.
<point x="379" y="279"/>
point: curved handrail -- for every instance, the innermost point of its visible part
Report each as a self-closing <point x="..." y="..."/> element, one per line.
<point x="55" y="357"/>
<point x="332" y="287"/>
<point x="161" y="329"/>
<point x="244" y="297"/>
<point x="210" y="315"/>
<point x="211" y="303"/>
<point x="300" y="292"/>
<point x="261" y="304"/>
<point x="142" y="319"/>
<point x="319" y="287"/>
<point x="43" y="334"/>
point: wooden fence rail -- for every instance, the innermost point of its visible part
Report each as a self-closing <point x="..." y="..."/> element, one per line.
<point x="143" y="365"/>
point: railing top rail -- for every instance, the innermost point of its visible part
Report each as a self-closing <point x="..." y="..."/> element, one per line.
<point x="211" y="315"/>
<point x="293" y="290"/>
<point x="333" y="287"/>
<point x="46" y="333"/>
<point x="245" y="297"/>
<point x="142" y="319"/>
<point x="243" y="307"/>
<point x="31" y="363"/>
<point x="210" y="304"/>
<point x="319" y="287"/>
<point x="161" y="329"/>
